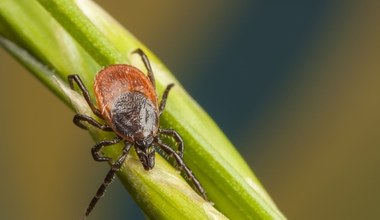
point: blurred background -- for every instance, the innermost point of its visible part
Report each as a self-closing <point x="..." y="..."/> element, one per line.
<point x="296" y="88"/>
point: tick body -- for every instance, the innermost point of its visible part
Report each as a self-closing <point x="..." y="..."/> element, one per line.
<point x="128" y="104"/>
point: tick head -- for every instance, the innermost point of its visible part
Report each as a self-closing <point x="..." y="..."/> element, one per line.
<point x="146" y="152"/>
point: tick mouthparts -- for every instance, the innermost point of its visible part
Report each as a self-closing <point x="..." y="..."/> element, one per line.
<point x="147" y="157"/>
<point x="147" y="161"/>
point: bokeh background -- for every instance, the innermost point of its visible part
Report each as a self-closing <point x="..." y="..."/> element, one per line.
<point x="295" y="86"/>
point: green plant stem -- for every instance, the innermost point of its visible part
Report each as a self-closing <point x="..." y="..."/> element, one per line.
<point x="80" y="38"/>
<point x="96" y="44"/>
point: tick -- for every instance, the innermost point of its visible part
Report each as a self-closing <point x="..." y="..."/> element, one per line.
<point x="127" y="103"/>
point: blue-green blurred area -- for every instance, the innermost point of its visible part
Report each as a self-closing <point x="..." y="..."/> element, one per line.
<point x="295" y="86"/>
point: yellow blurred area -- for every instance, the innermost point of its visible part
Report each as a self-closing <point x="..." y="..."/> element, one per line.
<point x="319" y="155"/>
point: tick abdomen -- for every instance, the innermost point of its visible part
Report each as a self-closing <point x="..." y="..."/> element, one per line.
<point x="119" y="79"/>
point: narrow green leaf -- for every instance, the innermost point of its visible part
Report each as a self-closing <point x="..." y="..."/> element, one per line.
<point x="79" y="37"/>
<point x="155" y="188"/>
<point x="69" y="16"/>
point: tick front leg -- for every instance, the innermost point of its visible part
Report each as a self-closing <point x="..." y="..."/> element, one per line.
<point x="174" y="134"/>
<point x="108" y="179"/>
<point x="170" y="152"/>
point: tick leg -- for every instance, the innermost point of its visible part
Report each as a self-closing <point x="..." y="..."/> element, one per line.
<point x="75" y="78"/>
<point x="174" y="134"/>
<point x="170" y="152"/>
<point x="165" y="97"/>
<point x="108" y="179"/>
<point x="79" y="119"/>
<point x="95" y="150"/>
<point x="147" y="65"/>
